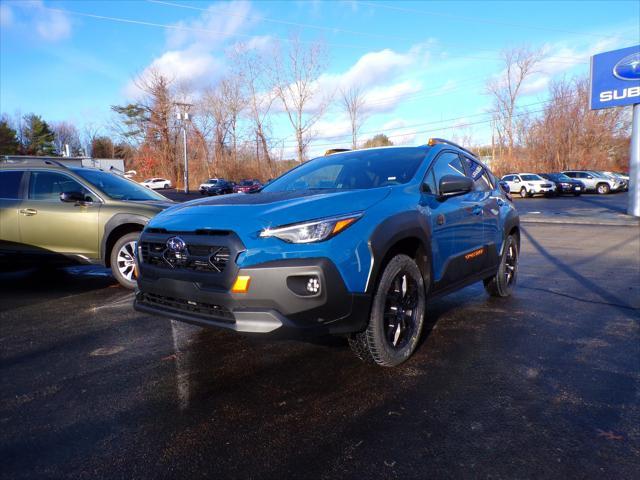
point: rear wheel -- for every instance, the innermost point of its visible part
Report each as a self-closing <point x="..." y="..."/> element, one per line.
<point x="166" y="186"/>
<point x="397" y="315"/>
<point x="123" y="265"/>
<point x="502" y="283"/>
<point x="603" y="188"/>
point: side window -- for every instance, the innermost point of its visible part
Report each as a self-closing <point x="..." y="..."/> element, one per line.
<point x="479" y="175"/>
<point x="10" y="184"/>
<point x="49" y="186"/>
<point x="447" y="163"/>
<point x="508" y="178"/>
<point x="429" y="183"/>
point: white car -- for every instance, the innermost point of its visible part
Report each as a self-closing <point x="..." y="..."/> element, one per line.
<point x="528" y="184"/>
<point x="211" y="182"/>
<point x="157" y="183"/>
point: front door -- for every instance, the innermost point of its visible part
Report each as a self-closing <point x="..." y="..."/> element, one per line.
<point x="49" y="225"/>
<point x="456" y="224"/>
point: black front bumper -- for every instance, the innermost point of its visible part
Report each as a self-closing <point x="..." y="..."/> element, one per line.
<point x="276" y="302"/>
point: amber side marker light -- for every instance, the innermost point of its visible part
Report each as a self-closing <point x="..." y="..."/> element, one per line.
<point x="342" y="224"/>
<point x="241" y="285"/>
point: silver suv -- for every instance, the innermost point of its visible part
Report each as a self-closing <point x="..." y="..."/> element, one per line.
<point x="594" y="181"/>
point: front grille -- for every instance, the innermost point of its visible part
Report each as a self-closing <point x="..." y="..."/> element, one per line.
<point x="199" y="258"/>
<point x="209" y="310"/>
<point x="546" y="185"/>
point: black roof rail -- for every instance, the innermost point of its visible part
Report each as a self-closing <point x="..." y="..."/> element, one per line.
<point x="47" y="161"/>
<point x="435" y="141"/>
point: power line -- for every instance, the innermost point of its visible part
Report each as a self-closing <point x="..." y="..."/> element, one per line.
<point x="329" y="29"/>
<point x="477" y="20"/>
<point x="490" y="112"/>
<point x="222" y="34"/>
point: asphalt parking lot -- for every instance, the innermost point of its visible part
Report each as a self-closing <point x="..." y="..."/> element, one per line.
<point x="544" y="384"/>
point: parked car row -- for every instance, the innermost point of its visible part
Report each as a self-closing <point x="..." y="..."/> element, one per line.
<point x="573" y="182"/>
<point x="220" y="186"/>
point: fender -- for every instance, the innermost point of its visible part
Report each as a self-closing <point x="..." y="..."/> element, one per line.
<point x="411" y="224"/>
<point x="114" y="222"/>
<point x="512" y="220"/>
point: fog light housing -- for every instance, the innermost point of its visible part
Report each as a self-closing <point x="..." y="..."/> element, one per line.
<point x="241" y="285"/>
<point x="305" y="285"/>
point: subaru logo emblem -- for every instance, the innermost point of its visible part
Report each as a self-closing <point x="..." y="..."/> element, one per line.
<point x="628" y="68"/>
<point x="176" y="244"/>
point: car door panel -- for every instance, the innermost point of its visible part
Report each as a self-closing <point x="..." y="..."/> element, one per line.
<point x="48" y="225"/>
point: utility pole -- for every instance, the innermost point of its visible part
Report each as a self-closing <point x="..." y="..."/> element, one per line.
<point x="183" y="117"/>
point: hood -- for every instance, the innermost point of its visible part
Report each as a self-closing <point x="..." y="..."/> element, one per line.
<point x="253" y="212"/>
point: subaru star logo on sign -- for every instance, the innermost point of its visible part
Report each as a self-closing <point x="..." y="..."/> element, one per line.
<point x="628" y="68"/>
<point x="176" y="244"/>
<point x="615" y="78"/>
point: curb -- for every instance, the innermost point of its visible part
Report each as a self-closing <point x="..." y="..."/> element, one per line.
<point x="581" y="221"/>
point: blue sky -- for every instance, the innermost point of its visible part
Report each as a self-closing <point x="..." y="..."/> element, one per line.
<point x="424" y="65"/>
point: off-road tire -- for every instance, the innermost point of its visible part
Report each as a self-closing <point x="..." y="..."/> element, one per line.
<point x="114" y="260"/>
<point x="373" y="345"/>
<point x="500" y="285"/>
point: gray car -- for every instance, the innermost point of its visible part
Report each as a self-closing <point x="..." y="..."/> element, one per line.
<point x="594" y="181"/>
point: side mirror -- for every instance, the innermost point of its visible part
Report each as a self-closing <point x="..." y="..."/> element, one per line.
<point x="589" y="177"/>
<point x="505" y="186"/>
<point x="73" y="197"/>
<point x="452" y="185"/>
<point x="517" y="180"/>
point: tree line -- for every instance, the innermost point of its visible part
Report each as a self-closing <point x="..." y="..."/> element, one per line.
<point x="230" y="123"/>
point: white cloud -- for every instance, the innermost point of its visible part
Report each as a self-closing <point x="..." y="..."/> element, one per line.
<point x="195" y="56"/>
<point x="214" y="26"/>
<point x="6" y="15"/>
<point x="49" y="24"/>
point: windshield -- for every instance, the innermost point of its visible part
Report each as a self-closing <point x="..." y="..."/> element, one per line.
<point x="531" y="178"/>
<point x="246" y="183"/>
<point x="598" y="174"/>
<point x="117" y="187"/>
<point x="562" y="177"/>
<point x="361" y="169"/>
<point x="212" y="180"/>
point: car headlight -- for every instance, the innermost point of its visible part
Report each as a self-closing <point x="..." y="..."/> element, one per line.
<point x="312" y="231"/>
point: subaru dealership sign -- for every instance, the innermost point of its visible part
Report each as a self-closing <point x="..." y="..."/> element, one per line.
<point x="615" y="78"/>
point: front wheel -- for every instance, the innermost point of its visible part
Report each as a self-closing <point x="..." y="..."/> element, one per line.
<point x="603" y="188"/>
<point x="397" y="315"/>
<point x="523" y="192"/>
<point x="502" y="283"/>
<point x="123" y="264"/>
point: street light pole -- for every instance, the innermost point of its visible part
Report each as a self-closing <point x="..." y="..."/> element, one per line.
<point x="633" y="207"/>
<point x="183" y="116"/>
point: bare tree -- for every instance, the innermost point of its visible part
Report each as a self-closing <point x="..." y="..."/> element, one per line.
<point x="519" y="65"/>
<point x="353" y="102"/>
<point x="90" y="131"/>
<point x="260" y="95"/>
<point x="234" y="102"/>
<point x="66" y="133"/>
<point x="296" y="85"/>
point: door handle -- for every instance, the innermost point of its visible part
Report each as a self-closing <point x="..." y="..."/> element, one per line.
<point x="28" y="212"/>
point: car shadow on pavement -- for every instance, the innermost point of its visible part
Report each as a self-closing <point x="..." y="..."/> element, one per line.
<point x="607" y="297"/>
<point x="29" y="286"/>
<point x="603" y="204"/>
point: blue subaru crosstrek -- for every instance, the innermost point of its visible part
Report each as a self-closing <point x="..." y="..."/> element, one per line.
<point x="352" y="243"/>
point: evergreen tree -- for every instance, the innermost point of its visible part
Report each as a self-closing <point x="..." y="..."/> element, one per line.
<point x="38" y="138"/>
<point x="8" y="140"/>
